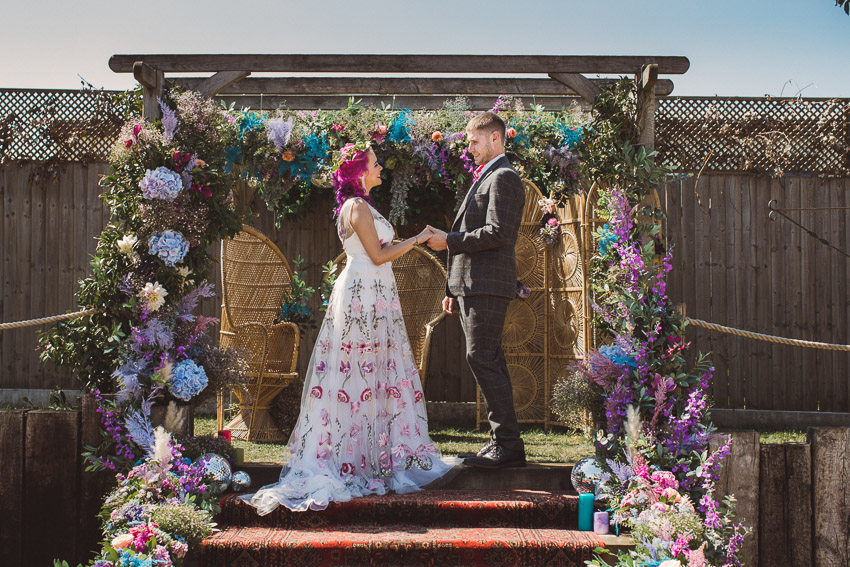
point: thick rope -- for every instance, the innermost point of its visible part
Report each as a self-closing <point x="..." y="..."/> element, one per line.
<point x="769" y="338"/>
<point x="53" y="319"/>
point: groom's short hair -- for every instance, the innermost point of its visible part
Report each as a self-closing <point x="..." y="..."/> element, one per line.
<point x="488" y="122"/>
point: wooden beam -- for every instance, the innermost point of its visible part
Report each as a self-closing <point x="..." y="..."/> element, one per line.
<point x="479" y="64"/>
<point x="579" y="84"/>
<point x="152" y="80"/>
<point x="220" y="81"/>
<point x="647" y="106"/>
<point x="352" y="86"/>
<point x="262" y="102"/>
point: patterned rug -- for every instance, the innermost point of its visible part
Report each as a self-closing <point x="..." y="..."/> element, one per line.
<point x="456" y="528"/>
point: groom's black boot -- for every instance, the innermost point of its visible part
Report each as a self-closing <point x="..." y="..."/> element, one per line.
<point x="498" y="457"/>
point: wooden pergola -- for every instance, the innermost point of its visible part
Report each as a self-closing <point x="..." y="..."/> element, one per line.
<point x="567" y="81"/>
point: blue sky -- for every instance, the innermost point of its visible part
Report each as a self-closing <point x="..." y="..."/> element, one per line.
<point x="743" y="47"/>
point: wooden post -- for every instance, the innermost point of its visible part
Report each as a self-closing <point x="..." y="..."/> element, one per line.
<point x="93" y="485"/>
<point x="773" y="513"/>
<point x="647" y="105"/>
<point x="152" y="81"/>
<point x="12" y="427"/>
<point x="831" y="496"/>
<point x="741" y="477"/>
<point x="220" y="81"/>
<point x="51" y="490"/>
<point x="579" y="84"/>
<point x="798" y="474"/>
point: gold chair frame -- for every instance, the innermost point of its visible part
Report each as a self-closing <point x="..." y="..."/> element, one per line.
<point x="255" y="278"/>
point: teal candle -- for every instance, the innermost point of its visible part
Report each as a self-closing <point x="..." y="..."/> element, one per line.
<point x="585" y="512"/>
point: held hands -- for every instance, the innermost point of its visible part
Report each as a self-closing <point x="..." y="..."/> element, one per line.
<point x="437" y="241"/>
<point x="424" y="236"/>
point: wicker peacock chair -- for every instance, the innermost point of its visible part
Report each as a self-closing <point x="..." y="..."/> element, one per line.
<point x="421" y="282"/>
<point x="255" y="279"/>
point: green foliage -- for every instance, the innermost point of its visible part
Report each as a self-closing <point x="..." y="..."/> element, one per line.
<point x="184" y="520"/>
<point x="295" y="308"/>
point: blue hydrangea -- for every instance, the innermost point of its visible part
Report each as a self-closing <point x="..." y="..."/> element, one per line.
<point x="187" y="380"/>
<point x="618" y="356"/>
<point x="161" y="183"/>
<point x="169" y="246"/>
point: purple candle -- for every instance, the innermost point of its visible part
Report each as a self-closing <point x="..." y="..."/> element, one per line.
<point x="600" y="523"/>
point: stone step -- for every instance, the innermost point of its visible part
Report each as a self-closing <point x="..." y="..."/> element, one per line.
<point x="549" y="477"/>
<point x="397" y="545"/>
<point x="427" y="508"/>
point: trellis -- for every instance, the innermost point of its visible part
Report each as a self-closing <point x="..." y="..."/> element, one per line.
<point x="771" y="136"/>
<point x="47" y="125"/>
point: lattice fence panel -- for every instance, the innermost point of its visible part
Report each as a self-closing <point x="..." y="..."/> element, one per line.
<point x="58" y="125"/>
<point x="773" y="136"/>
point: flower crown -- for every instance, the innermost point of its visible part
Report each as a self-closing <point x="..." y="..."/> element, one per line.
<point x="348" y="151"/>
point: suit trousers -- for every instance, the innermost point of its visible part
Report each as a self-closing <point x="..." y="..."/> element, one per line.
<point x="482" y="318"/>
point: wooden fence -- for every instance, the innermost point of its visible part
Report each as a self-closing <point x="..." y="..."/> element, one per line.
<point x="731" y="265"/>
<point x="734" y="266"/>
<point x="795" y="496"/>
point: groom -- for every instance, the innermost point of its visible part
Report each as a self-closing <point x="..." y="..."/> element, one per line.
<point x="481" y="266"/>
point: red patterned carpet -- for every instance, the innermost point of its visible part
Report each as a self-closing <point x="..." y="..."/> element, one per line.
<point x="430" y="528"/>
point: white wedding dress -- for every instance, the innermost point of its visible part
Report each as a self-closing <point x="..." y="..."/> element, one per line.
<point x="363" y="428"/>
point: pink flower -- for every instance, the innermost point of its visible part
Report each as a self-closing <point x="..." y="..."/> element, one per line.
<point x="355" y="430"/>
<point x="324" y="438"/>
<point x="122" y="541"/>
<point x="391" y="364"/>
<point x="405" y="384"/>
<point x="325" y="345"/>
<point x="384" y="459"/>
<point x="381" y="305"/>
<point x="338" y="127"/>
<point x="417" y="396"/>
<point x="355" y="305"/>
<point x="355" y="407"/>
<point x="367" y="368"/>
<point x="321" y="367"/>
<point x="366" y="396"/>
<point x="346" y="469"/>
<point x="383" y="440"/>
<point x="325" y="418"/>
<point x="345" y="367"/>
<point x="346" y="347"/>
<point x="323" y="454"/>
<point x="342" y="397"/>
<point x="552" y="222"/>
<point x="396" y="305"/>
<point x="393" y="392"/>
<point x="405" y="431"/>
<point x="316" y="392"/>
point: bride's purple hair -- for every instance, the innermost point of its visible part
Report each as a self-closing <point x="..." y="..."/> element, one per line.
<point x="348" y="176"/>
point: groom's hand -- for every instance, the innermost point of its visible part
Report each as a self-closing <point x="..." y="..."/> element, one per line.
<point x="449" y="305"/>
<point x="437" y="241"/>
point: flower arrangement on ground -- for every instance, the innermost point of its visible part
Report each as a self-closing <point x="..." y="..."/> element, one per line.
<point x="158" y="511"/>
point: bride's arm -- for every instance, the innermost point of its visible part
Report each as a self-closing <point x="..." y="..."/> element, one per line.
<point x="363" y="224"/>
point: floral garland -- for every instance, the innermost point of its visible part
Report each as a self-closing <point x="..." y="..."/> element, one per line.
<point x="291" y="154"/>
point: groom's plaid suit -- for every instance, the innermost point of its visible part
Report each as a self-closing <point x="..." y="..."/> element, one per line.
<point x="481" y="266"/>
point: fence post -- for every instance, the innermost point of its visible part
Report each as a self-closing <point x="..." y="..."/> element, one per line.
<point x="12" y="427"/>
<point x="798" y="474"/>
<point x="831" y="496"/>
<point x="51" y="486"/>
<point x="741" y="477"/>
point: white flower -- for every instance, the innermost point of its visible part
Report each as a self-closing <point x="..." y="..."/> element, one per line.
<point x="183" y="271"/>
<point x="670" y="563"/>
<point x="127" y="245"/>
<point x="153" y="295"/>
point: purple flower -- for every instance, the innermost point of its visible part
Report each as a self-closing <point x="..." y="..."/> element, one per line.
<point x="161" y="183"/>
<point x="169" y="246"/>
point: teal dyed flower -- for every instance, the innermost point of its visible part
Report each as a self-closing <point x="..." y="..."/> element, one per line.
<point x="605" y="238"/>
<point x="187" y="380"/>
<point x="169" y="246"/>
<point x="161" y="183"/>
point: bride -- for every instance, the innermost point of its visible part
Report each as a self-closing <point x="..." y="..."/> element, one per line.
<point x="362" y="428"/>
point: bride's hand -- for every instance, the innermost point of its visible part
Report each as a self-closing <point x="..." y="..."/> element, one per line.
<point x="424" y="236"/>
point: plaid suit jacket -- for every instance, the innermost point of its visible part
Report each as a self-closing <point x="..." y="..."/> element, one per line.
<point x="481" y="258"/>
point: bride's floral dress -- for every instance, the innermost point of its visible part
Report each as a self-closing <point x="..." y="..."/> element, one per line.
<point x="362" y="427"/>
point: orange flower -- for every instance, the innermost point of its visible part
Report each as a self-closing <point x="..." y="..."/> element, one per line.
<point x="436" y="136"/>
<point x="122" y="541"/>
<point x="287" y="156"/>
<point x="511" y="133"/>
<point x="200" y="163"/>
